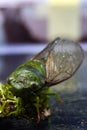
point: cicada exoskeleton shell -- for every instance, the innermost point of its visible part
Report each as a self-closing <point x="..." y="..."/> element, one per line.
<point x="61" y="58"/>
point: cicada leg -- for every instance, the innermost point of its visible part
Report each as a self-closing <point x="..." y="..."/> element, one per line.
<point x="37" y="108"/>
<point x="58" y="98"/>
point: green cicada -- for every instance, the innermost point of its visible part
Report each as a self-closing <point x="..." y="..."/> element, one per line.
<point x="26" y="92"/>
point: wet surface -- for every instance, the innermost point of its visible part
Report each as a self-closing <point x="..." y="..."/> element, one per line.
<point x="70" y="115"/>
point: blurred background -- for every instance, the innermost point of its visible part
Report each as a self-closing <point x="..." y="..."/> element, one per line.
<point x="26" y="26"/>
<point x="39" y="21"/>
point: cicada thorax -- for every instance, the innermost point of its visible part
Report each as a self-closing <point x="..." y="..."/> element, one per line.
<point x="28" y="77"/>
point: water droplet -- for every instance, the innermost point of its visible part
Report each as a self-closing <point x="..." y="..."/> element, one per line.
<point x="63" y="56"/>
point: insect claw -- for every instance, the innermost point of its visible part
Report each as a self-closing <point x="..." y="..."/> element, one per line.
<point x="38" y="118"/>
<point x="46" y="113"/>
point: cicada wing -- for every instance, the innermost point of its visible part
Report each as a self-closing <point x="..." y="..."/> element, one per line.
<point x="61" y="58"/>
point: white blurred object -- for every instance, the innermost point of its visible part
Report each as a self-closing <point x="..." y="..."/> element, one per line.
<point x="21" y="49"/>
<point x="2" y="33"/>
<point x="5" y="3"/>
<point x="64" y="19"/>
<point x="13" y="3"/>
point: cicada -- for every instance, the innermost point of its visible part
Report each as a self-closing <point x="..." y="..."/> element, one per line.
<point x="28" y="86"/>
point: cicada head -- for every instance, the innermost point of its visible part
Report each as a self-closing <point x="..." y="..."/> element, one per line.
<point x="27" y="78"/>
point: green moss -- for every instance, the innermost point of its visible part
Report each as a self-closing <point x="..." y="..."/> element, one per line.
<point x="28" y="108"/>
<point x="9" y="104"/>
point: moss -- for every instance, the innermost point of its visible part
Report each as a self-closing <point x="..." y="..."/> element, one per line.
<point x="28" y="108"/>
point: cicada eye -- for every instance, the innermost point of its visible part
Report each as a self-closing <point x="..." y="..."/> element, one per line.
<point x="61" y="58"/>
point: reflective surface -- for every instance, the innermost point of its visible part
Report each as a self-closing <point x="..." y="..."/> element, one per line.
<point x="70" y="115"/>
